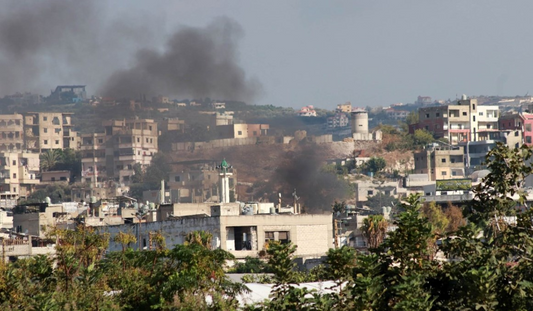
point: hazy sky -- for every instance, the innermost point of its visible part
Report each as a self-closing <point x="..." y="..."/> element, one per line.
<point x="371" y="53"/>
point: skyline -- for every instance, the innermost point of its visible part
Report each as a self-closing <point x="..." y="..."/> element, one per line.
<point x="323" y="54"/>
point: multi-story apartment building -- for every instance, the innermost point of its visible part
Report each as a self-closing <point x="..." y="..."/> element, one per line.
<point x="440" y="162"/>
<point x="522" y="122"/>
<point x="344" y="108"/>
<point x="338" y="120"/>
<point x="112" y="155"/>
<point x="464" y="121"/>
<point x="18" y="174"/>
<point x="49" y="130"/>
<point x="11" y="132"/>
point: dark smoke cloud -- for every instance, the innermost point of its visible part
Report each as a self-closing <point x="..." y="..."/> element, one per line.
<point x="302" y="170"/>
<point x="46" y="43"/>
<point x="197" y="62"/>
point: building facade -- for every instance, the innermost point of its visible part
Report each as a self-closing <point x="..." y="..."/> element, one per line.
<point x="111" y="156"/>
<point x="11" y="132"/>
<point x="18" y="174"/>
<point x="440" y="162"/>
<point x="49" y="130"/>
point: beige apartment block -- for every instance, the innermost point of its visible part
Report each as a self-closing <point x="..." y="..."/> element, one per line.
<point x="441" y="163"/>
<point x="111" y="155"/>
<point x="11" y="132"/>
<point x="18" y="173"/>
<point x="49" y="130"/>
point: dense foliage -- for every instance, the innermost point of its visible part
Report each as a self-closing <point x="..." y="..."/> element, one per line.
<point x="426" y="263"/>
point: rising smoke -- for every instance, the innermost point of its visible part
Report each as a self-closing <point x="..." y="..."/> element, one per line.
<point x="303" y="170"/>
<point x="197" y="62"/>
<point x="45" y="43"/>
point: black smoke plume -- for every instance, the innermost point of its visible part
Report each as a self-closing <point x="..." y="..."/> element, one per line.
<point x="47" y="43"/>
<point x="303" y="170"/>
<point x="197" y="62"/>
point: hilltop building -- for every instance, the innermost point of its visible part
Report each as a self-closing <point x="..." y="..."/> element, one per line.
<point x="307" y="111"/>
<point x="70" y="93"/>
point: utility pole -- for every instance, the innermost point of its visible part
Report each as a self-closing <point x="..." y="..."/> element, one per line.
<point x="336" y="233"/>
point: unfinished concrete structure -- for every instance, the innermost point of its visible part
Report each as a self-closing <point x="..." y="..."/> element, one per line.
<point x="49" y="130"/>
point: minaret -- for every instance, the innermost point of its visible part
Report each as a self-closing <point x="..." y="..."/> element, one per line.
<point x="224" y="181"/>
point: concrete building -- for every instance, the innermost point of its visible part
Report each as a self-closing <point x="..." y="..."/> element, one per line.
<point x="200" y="183"/>
<point x="522" y="122"/>
<point x="172" y="125"/>
<point x="69" y="93"/>
<point x="242" y="130"/>
<point x="241" y="235"/>
<point x="18" y="174"/>
<point x="11" y="132"/>
<point x="55" y="176"/>
<point x="338" y="120"/>
<point x="344" y="108"/>
<point x="461" y="122"/>
<point x="440" y="162"/>
<point x="396" y="114"/>
<point x="307" y="111"/>
<point x="49" y="130"/>
<point x="369" y="188"/>
<point x="37" y="219"/>
<point x="110" y="156"/>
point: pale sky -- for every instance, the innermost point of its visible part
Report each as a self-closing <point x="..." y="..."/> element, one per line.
<point x="372" y="53"/>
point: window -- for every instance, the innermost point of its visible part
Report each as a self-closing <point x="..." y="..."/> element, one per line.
<point x="443" y="160"/>
<point x="177" y="178"/>
<point x="53" y="179"/>
<point x="57" y="142"/>
<point x="269" y="236"/>
<point x="464" y="113"/>
<point x="481" y="113"/>
<point x="100" y="141"/>
<point x="528" y="139"/>
<point x="138" y="140"/>
<point x="370" y="192"/>
<point x="239" y="133"/>
<point x="255" y="133"/>
<point x="454" y="173"/>
<point x="474" y="118"/>
<point x="147" y="140"/>
<point x="45" y="130"/>
<point x="14" y="175"/>
<point x="427" y="115"/>
<point x="14" y="162"/>
<point x="528" y="127"/>
<point x="427" y="128"/>
<point x="57" y="130"/>
<point x="443" y="173"/>
<point x="473" y="106"/>
<point x="150" y="127"/>
<point x="45" y="118"/>
<point x="45" y="142"/>
<point x="437" y="114"/>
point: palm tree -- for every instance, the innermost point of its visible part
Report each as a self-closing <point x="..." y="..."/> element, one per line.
<point x="374" y="230"/>
<point x="49" y="159"/>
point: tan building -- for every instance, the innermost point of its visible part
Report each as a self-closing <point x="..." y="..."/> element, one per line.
<point x="441" y="163"/>
<point x="11" y="132"/>
<point x="111" y="156"/>
<point x="242" y="235"/>
<point x="37" y="219"/>
<point x="49" y="130"/>
<point x="18" y="174"/>
<point x="345" y="108"/>
<point x="242" y="130"/>
<point x="55" y="176"/>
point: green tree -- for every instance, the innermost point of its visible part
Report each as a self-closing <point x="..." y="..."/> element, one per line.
<point x="374" y="165"/>
<point x="422" y="137"/>
<point x="436" y="217"/>
<point x="412" y="118"/>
